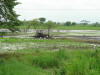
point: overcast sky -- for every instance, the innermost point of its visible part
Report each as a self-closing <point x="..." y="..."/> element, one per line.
<point x="59" y="10"/>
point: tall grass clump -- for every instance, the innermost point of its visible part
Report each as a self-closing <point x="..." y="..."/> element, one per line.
<point x="46" y="60"/>
<point x="82" y="63"/>
<point x="15" y="67"/>
<point x="61" y="54"/>
<point x="50" y="59"/>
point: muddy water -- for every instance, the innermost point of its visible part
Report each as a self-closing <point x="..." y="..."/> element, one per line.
<point x="96" y="38"/>
<point x="85" y="35"/>
<point x="32" y="30"/>
<point x="77" y="34"/>
<point x="80" y="34"/>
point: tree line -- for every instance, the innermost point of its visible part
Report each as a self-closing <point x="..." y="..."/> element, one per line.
<point x="9" y="18"/>
<point x="42" y="21"/>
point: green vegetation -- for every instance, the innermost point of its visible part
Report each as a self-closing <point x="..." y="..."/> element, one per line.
<point x="64" y="27"/>
<point x="48" y="57"/>
<point x="42" y="20"/>
<point x="42" y="56"/>
<point x="8" y="17"/>
<point x="49" y="26"/>
<point x="47" y="44"/>
<point x="62" y="62"/>
<point x="41" y="23"/>
<point x="68" y="23"/>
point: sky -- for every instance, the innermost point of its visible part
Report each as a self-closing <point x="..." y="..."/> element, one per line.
<point x="59" y="10"/>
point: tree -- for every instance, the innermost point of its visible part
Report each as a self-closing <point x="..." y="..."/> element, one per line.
<point x="49" y="25"/>
<point x="8" y="15"/>
<point x="96" y="24"/>
<point x="73" y="23"/>
<point x="35" y="23"/>
<point x="68" y="23"/>
<point x="42" y="20"/>
<point x="26" y="25"/>
<point x="84" y="22"/>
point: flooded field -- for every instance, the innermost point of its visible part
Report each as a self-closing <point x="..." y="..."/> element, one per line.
<point x="56" y="34"/>
<point x="77" y="34"/>
<point x="12" y="44"/>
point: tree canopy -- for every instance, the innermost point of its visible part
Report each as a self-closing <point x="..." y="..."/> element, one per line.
<point x="68" y="23"/>
<point x="42" y="20"/>
<point x="7" y="14"/>
<point x="35" y="23"/>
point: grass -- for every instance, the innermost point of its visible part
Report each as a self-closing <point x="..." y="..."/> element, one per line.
<point x="73" y="58"/>
<point x="35" y="63"/>
<point x="63" y="27"/>
<point x="20" y="40"/>
<point x="62" y="62"/>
